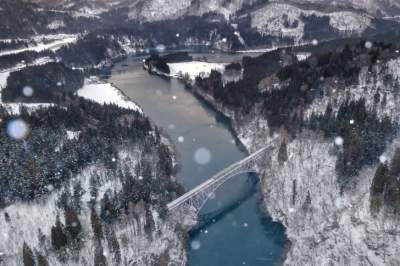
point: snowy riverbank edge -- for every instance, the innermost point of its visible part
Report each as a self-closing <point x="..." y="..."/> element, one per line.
<point x="102" y="92"/>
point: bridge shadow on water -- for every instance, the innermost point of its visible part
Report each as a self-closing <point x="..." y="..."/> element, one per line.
<point x="270" y="228"/>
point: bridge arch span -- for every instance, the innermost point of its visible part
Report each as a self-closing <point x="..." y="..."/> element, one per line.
<point x="195" y="199"/>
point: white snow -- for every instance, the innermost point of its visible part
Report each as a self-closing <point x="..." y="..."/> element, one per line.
<point x="14" y="108"/>
<point x="106" y="93"/>
<point x="303" y="56"/>
<point x="194" y="69"/>
<point x="72" y="134"/>
<point x="56" y="24"/>
<point x="335" y="228"/>
<point x="3" y="79"/>
<point x="369" y="84"/>
<point x="54" y="45"/>
<point x="274" y="18"/>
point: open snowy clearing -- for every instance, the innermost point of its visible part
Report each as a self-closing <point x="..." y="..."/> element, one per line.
<point x="106" y="93"/>
<point x="194" y="68"/>
<point x="3" y="79"/>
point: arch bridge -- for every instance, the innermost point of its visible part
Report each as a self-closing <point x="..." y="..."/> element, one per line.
<point x="195" y="199"/>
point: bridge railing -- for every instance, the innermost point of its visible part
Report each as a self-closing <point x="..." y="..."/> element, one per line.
<point x="215" y="179"/>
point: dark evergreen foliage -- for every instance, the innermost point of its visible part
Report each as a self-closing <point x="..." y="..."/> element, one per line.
<point x="59" y="239"/>
<point x="157" y="63"/>
<point x="49" y="82"/>
<point x="364" y="139"/>
<point x="385" y="189"/>
<point x="91" y="50"/>
<point x="299" y="84"/>
<point x="282" y="154"/>
<point x="99" y="258"/>
<point x="41" y="260"/>
<point x="102" y="130"/>
<point x="73" y="226"/>
<point x="27" y="255"/>
<point x="97" y="226"/>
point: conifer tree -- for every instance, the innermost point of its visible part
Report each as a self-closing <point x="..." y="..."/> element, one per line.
<point x="72" y="224"/>
<point x="41" y="260"/>
<point x="58" y="237"/>
<point x="27" y="255"/>
<point x="96" y="224"/>
<point x="282" y="154"/>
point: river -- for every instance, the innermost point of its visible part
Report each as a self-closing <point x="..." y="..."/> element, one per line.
<point x="238" y="233"/>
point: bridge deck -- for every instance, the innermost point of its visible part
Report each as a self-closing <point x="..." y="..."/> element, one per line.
<point x="216" y="178"/>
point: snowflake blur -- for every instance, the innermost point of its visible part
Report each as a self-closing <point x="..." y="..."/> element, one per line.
<point x="195" y="244"/>
<point x="27" y="91"/>
<point x="339" y="141"/>
<point x="17" y="129"/>
<point x="202" y="156"/>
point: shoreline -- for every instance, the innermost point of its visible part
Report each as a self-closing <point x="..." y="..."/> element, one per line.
<point x="231" y="123"/>
<point x="232" y="127"/>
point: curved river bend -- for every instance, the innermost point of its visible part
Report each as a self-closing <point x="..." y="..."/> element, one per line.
<point x="240" y="233"/>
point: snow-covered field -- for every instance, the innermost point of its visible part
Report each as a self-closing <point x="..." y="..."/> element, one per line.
<point x="106" y="93"/>
<point x="194" y="69"/>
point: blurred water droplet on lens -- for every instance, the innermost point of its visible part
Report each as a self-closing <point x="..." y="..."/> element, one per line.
<point x="195" y="244"/>
<point x="160" y="48"/>
<point x="202" y="156"/>
<point x="339" y="141"/>
<point x="382" y="159"/>
<point x="211" y="195"/>
<point x="27" y="91"/>
<point x="17" y="129"/>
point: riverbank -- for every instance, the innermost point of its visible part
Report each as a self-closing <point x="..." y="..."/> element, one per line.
<point x="206" y="144"/>
<point x="234" y="126"/>
<point x="244" y="143"/>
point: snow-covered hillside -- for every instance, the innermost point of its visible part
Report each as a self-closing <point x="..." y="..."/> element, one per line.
<point x="326" y="223"/>
<point x="325" y="226"/>
<point x="377" y="7"/>
<point x="372" y="86"/>
<point x="285" y="20"/>
<point x="32" y="223"/>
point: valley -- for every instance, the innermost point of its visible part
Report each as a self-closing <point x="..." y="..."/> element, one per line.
<point x="111" y="110"/>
